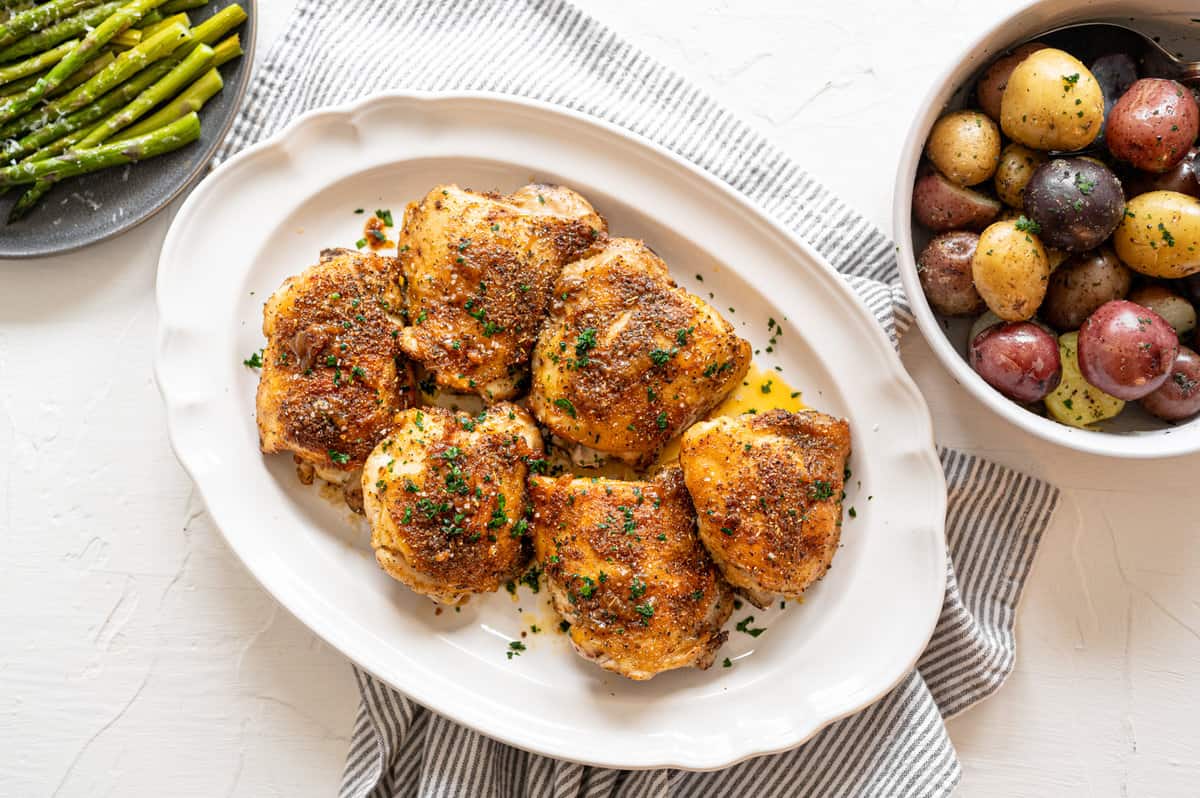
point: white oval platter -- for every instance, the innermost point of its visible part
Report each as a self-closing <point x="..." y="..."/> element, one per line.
<point x="267" y="212"/>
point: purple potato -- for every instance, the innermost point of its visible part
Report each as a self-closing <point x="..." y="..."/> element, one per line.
<point x="1019" y="359"/>
<point x="1181" y="178"/>
<point x="1115" y="73"/>
<point x="941" y="206"/>
<point x="945" y="270"/>
<point x="1153" y="125"/>
<point x="1077" y="203"/>
<point x="1126" y="350"/>
<point x="1082" y="284"/>
<point x="1179" y="397"/>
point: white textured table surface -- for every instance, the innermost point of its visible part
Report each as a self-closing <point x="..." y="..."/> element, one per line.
<point x="137" y="657"/>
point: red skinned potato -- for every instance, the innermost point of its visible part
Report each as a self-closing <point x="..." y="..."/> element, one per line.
<point x="1179" y="397"/>
<point x="941" y="206"/>
<point x="1081" y="285"/>
<point x="1126" y="350"/>
<point x="994" y="80"/>
<point x="944" y="267"/>
<point x="1153" y="125"/>
<point x="1018" y="359"/>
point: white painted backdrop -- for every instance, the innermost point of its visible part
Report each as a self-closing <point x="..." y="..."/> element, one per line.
<point x="138" y="658"/>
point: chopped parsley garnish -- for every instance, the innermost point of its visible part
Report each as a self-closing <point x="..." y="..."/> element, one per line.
<point x="661" y="420"/>
<point x="681" y="336"/>
<point x="339" y="457"/>
<point x="1027" y="225"/>
<point x="1084" y="185"/>
<point x="1069" y="81"/>
<point x="637" y="588"/>
<point x="519" y="528"/>
<point x="254" y="361"/>
<point x="646" y="610"/>
<point x="727" y="663"/>
<point x="744" y="626"/>
<point x="499" y="517"/>
<point x="661" y="356"/>
<point x="514" y="649"/>
<point x="385" y="216"/>
<point x="820" y="490"/>
<point x="566" y="405"/>
<point x="584" y="343"/>
<point x="1166" y="235"/>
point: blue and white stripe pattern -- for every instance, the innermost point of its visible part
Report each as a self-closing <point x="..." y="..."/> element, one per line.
<point x="334" y="52"/>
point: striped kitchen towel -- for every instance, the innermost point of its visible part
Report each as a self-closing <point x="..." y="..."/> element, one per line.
<point x="338" y="50"/>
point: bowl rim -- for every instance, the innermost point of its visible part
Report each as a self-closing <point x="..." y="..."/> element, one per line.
<point x="1151" y="444"/>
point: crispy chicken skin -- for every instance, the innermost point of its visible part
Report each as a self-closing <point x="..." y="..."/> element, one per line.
<point x="626" y="569"/>
<point x="333" y="376"/>
<point x="445" y="496"/>
<point x="768" y="495"/>
<point x="479" y="268"/>
<point x="627" y="359"/>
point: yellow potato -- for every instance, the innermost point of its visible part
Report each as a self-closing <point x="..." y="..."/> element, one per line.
<point x="1076" y="402"/>
<point x="1010" y="269"/>
<point x="1017" y="165"/>
<point x="1052" y="102"/>
<point x="964" y="146"/>
<point x="1160" y="234"/>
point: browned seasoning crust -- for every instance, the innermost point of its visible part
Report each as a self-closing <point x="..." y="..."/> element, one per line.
<point x="627" y="359"/>
<point x="626" y="569"/>
<point x="333" y="375"/>
<point x="768" y="494"/>
<point x="445" y="495"/>
<point x="479" y="269"/>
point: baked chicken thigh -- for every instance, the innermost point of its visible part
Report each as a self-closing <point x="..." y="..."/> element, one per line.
<point x="445" y="496"/>
<point x="768" y="495"/>
<point x="478" y="270"/>
<point x="333" y="376"/>
<point x="626" y="569"/>
<point x="627" y="359"/>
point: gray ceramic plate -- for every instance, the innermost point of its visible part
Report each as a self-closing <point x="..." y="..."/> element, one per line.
<point x="98" y="206"/>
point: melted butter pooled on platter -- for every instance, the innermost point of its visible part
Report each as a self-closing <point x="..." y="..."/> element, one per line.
<point x="759" y="392"/>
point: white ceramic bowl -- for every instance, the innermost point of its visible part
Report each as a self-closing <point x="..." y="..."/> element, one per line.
<point x="1134" y="433"/>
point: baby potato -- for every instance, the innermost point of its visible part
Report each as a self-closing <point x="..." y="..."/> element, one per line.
<point x="944" y="267"/>
<point x="1010" y="270"/>
<point x="1181" y="177"/>
<point x="1087" y="281"/>
<point x="1075" y="402"/>
<point x="992" y="83"/>
<point x="1052" y="102"/>
<point x="1177" y="311"/>
<point x="1076" y="203"/>
<point x="1153" y="125"/>
<point x="940" y="205"/>
<point x="1160" y="234"/>
<point x="1017" y="164"/>
<point x="964" y="146"/>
